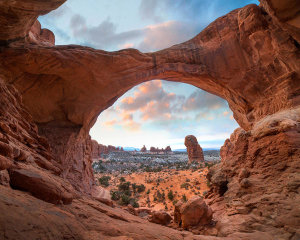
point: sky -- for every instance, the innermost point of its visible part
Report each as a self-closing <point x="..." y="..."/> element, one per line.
<point x="156" y="113"/>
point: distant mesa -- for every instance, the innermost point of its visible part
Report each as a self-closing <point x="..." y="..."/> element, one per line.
<point x="99" y="149"/>
<point x="195" y="152"/>
<point x="157" y="150"/>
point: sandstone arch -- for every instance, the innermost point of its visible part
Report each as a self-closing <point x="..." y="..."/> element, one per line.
<point x="250" y="57"/>
<point x="243" y="57"/>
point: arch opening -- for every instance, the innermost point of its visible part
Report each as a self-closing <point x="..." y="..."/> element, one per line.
<point x="141" y="139"/>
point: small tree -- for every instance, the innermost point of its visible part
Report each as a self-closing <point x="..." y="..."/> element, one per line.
<point x="104" y="181"/>
<point x="124" y="186"/>
<point x="122" y="179"/>
<point x="171" y="195"/>
<point x="141" y="188"/>
<point x="115" y="195"/>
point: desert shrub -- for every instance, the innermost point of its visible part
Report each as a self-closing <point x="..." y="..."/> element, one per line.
<point x="141" y="188"/>
<point x="124" y="186"/>
<point x="148" y="192"/>
<point x="104" y="181"/>
<point x="122" y="179"/>
<point x="125" y="199"/>
<point x="204" y="193"/>
<point x="127" y="192"/>
<point x="133" y="202"/>
<point x="187" y="180"/>
<point x="115" y="195"/>
<point x="160" y="196"/>
<point x="170" y="195"/>
<point x="134" y="186"/>
<point x="184" y="198"/>
<point x="174" y="202"/>
<point x="185" y="185"/>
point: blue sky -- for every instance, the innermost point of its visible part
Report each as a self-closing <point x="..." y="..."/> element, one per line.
<point x="156" y="113"/>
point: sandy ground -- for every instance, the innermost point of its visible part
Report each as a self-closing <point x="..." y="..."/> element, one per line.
<point x="164" y="181"/>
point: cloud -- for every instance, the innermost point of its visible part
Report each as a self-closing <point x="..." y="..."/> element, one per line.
<point x="110" y="123"/>
<point x="150" y="38"/>
<point x="203" y="100"/>
<point x="166" y="34"/>
<point x="148" y="9"/>
<point x="153" y="102"/>
<point x="103" y="35"/>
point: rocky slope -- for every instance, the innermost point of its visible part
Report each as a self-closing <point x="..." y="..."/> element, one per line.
<point x="250" y="57"/>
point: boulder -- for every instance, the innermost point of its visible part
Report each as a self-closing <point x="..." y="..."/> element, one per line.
<point x="41" y="184"/>
<point x="160" y="217"/>
<point x="194" y="212"/>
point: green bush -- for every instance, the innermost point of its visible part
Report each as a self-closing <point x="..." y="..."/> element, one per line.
<point x="104" y="181"/>
<point x="171" y="195"/>
<point x="124" y="200"/>
<point x="115" y="195"/>
<point x="133" y="202"/>
<point x="159" y="196"/>
<point x="122" y="179"/>
<point x="124" y="186"/>
<point x="185" y="185"/>
<point x="184" y="198"/>
<point x="141" y="188"/>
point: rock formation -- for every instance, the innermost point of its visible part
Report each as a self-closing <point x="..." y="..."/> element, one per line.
<point x="194" y="212"/>
<point x="160" y="217"/>
<point x="144" y="149"/>
<point x="250" y="57"/>
<point x="194" y="150"/>
<point x="247" y="48"/>
<point x="99" y="149"/>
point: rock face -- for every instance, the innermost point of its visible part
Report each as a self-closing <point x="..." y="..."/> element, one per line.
<point x="250" y="57"/>
<point x="195" y="152"/>
<point x="194" y="212"/>
<point x="257" y="183"/>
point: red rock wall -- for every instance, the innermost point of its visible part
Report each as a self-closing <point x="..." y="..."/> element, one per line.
<point x="26" y="162"/>
<point x="256" y="186"/>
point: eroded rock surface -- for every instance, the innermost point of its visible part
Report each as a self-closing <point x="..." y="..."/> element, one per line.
<point x="195" y="152"/>
<point x="257" y="184"/>
<point x="250" y="57"/>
